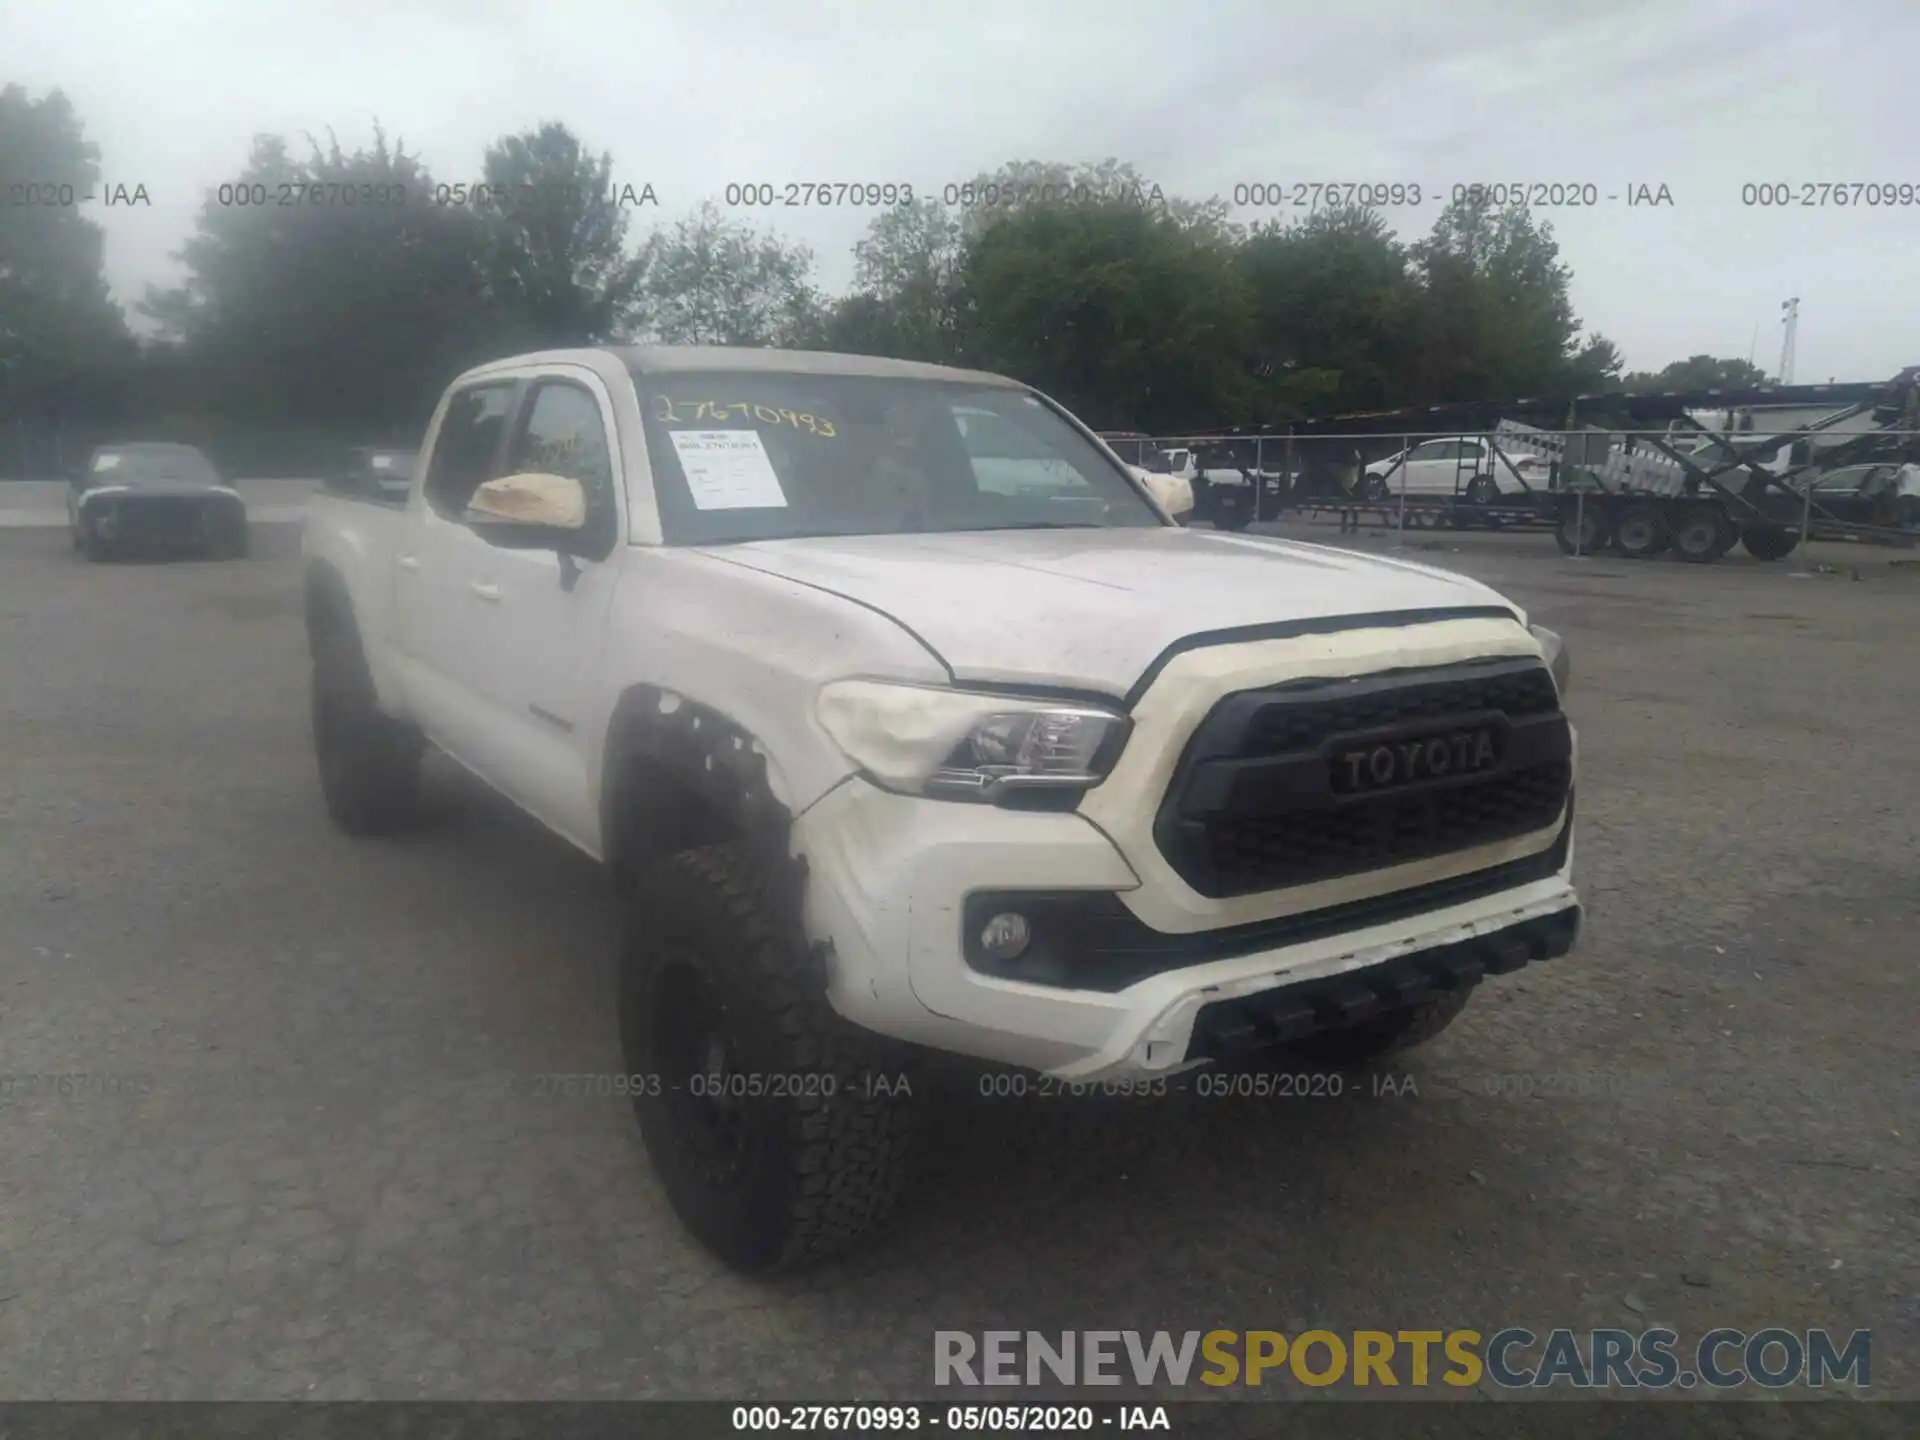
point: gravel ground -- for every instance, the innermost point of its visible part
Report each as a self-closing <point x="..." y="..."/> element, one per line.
<point x="299" y="1166"/>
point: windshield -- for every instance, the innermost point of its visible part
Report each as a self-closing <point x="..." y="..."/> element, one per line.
<point x="151" y="465"/>
<point x="770" y="455"/>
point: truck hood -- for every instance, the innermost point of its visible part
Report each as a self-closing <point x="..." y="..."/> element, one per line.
<point x="1092" y="609"/>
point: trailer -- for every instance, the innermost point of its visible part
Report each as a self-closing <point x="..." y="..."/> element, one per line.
<point x="1688" y="472"/>
<point x="1849" y="474"/>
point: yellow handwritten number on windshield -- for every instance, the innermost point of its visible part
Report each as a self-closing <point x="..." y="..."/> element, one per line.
<point x="691" y="412"/>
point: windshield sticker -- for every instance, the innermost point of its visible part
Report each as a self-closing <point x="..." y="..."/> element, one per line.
<point x="106" y="462"/>
<point x="728" y="470"/>
<point x="383" y="462"/>
<point x="690" y="412"/>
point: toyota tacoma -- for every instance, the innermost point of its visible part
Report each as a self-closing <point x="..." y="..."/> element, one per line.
<point x="905" y="719"/>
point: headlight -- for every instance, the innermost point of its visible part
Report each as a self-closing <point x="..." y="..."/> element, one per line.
<point x="960" y="746"/>
<point x="1555" y="650"/>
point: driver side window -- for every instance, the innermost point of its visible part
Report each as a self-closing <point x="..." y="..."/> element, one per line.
<point x="562" y="432"/>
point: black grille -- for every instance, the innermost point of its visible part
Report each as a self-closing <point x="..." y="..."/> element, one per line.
<point x="160" y="520"/>
<point x="1278" y="728"/>
<point x="1254" y="804"/>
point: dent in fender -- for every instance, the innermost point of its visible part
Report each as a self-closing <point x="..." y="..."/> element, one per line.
<point x="721" y="763"/>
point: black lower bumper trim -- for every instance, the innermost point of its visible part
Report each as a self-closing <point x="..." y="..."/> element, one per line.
<point x="1090" y="940"/>
<point x="1228" y="1029"/>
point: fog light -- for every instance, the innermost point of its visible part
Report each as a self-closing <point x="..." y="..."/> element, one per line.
<point x="1006" y="935"/>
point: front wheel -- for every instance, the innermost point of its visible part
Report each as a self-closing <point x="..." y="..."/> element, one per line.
<point x="778" y="1130"/>
<point x="1233" y="521"/>
<point x="1906" y="512"/>
<point x="1375" y="488"/>
<point x="1582" y="529"/>
<point x="1386" y="1034"/>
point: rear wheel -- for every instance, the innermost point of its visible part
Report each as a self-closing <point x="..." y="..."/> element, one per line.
<point x="775" y="1126"/>
<point x="369" y="763"/>
<point x="1769" y="542"/>
<point x="1703" y="534"/>
<point x="1386" y="1034"/>
<point x="1641" y="532"/>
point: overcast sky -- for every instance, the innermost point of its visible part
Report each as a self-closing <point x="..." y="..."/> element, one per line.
<point x="1703" y="96"/>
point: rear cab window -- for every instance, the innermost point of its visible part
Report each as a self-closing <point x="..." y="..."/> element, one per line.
<point x="467" y="451"/>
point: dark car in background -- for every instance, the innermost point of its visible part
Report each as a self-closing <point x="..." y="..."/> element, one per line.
<point x="154" y="496"/>
<point x="377" y="471"/>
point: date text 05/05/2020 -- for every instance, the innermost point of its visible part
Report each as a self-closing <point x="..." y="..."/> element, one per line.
<point x="1500" y="194"/>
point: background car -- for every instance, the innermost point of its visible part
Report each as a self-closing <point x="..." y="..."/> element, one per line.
<point x="154" y="495"/>
<point x="1884" y="493"/>
<point x="376" y="470"/>
<point x="1467" y="466"/>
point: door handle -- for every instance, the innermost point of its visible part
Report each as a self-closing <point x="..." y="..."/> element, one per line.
<point x="407" y="562"/>
<point x="489" y="593"/>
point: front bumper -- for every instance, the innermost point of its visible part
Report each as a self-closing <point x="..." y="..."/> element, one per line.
<point x="890" y="877"/>
<point x="130" y="519"/>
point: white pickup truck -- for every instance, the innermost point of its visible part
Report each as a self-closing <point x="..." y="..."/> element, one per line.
<point x="905" y="719"/>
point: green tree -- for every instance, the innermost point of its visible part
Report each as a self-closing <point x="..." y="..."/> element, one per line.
<point x="1132" y="317"/>
<point x="905" y="286"/>
<point x="558" y="265"/>
<point x="1496" y="316"/>
<point x="326" y="316"/>
<point x="713" y="281"/>
<point x="1333" y="310"/>
<point x="64" y="344"/>
<point x="1595" y="368"/>
<point x="1699" y="372"/>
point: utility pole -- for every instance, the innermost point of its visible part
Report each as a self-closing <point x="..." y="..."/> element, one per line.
<point x="1790" y="324"/>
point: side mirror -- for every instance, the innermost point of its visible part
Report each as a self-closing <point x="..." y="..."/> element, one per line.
<point x="1173" y="494"/>
<point x="529" y="511"/>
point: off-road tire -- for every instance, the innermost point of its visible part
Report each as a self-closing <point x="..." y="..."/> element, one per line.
<point x="1592" y="518"/>
<point x="1703" y="535"/>
<point x="369" y="763"/>
<point x="821" y="1164"/>
<point x="1386" y="1034"/>
<point x="1640" y="532"/>
<point x="1769" y="542"/>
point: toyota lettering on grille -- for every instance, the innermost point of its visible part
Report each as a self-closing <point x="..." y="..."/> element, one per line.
<point x="1390" y="764"/>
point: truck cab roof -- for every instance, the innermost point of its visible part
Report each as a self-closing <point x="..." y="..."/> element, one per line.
<point x="719" y="359"/>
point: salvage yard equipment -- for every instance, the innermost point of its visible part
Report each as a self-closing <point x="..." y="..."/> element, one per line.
<point x="1685" y="472"/>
